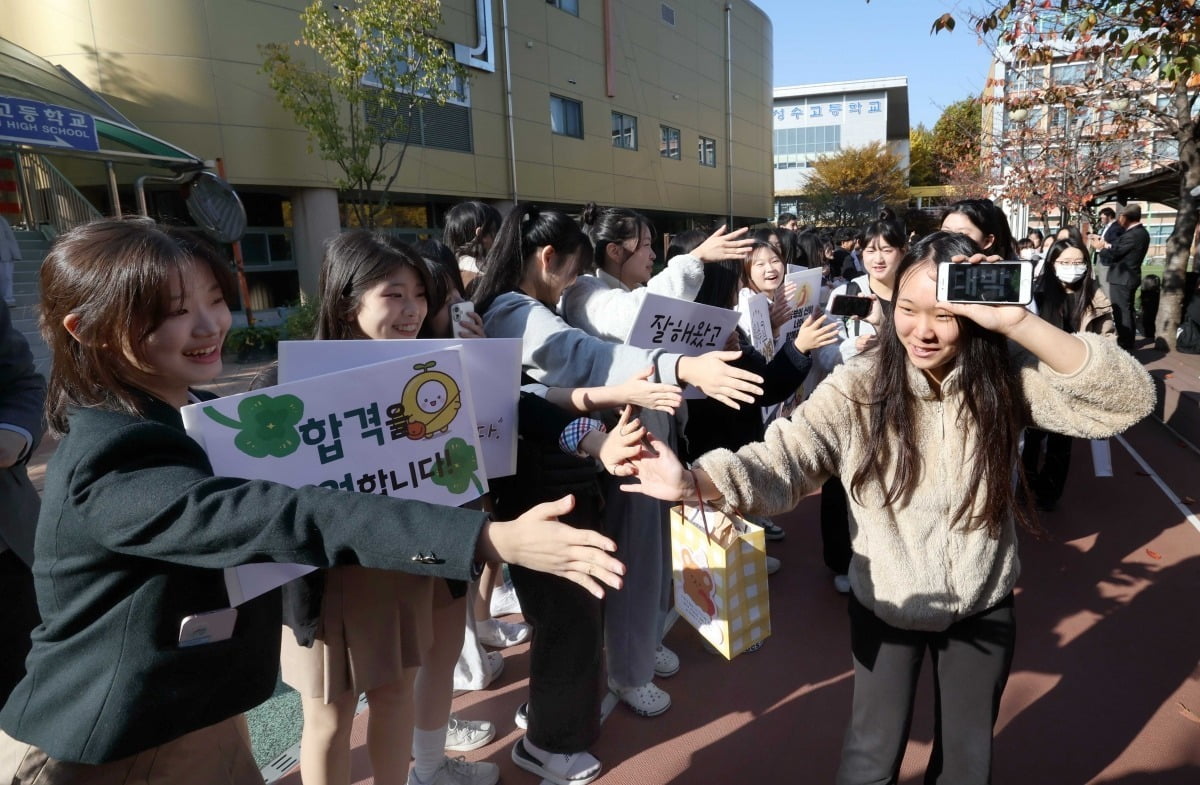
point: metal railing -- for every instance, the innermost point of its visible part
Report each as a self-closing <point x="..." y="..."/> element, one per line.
<point x="51" y="198"/>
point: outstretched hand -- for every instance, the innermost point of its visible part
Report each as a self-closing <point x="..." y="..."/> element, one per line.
<point x="722" y="245"/>
<point x="660" y="474"/>
<point x="622" y="444"/>
<point x="640" y="391"/>
<point x="538" y="541"/>
<point x="716" y="378"/>
<point x="815" y="333"/>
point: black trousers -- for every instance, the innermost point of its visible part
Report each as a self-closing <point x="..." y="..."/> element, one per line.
<point x="1122" y="303"/>
<point x="835" y="526"/>
<point x="1047" y="476"/>
<point x="566" y="653"/>
<point x="971" y="662"/>
<point x="18" y="616"/>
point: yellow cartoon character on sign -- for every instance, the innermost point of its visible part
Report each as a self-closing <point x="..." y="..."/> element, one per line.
<point x="431" y="400"/>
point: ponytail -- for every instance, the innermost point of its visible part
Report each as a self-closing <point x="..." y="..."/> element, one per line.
<point x="522" y="232"/>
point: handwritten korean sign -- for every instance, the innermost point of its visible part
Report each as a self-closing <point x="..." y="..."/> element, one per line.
<point x="402" y="428"/>
<point x="681" y="326"/>
<point x="804" y="302"/>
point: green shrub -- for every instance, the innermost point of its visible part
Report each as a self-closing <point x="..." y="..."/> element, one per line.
<point x="252" y="342"/>
<point x="301" y="323"/>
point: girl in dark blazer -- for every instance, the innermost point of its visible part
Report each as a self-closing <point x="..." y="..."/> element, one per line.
<point x="135" y="529"/>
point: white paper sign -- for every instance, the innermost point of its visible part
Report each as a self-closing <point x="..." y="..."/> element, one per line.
<point x="804" y="302"/>
<point x="681" y="326"/>
<point x="495" y="376"/>
<point x="754" y="317"/>
<point x="403" y="428"/>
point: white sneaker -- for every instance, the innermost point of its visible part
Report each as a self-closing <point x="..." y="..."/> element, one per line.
<point x="467" y="735"/>
<point x="773" y="565"/>
<point x="646" y="700"/>
<point x="521" y="718"/>
<point x="501" y="634"/>
<point x="666" y="662"/>
<point x="459" y="771"/>
<point x="578" y="768"/>
<point x="842" y="584"/>
<point x="504" y="600"/>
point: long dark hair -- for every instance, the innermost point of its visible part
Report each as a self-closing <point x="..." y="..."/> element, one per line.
<point x="990" y="410"/>
<point x="607" y="226"/>
<point x="990" y="220"/>
<point x="462" y="221"/>
<point x="355" y="262"/>
<point x="115" y="276"/>
<point x="809" y="251"/>
<point x="523" y="231"/>
<point x="887" y="229"/>
<point x="685" y="242"/>
<point x="1057" y="305"/>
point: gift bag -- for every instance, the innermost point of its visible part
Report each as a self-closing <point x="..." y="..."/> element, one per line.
<point x="720" y="569"/>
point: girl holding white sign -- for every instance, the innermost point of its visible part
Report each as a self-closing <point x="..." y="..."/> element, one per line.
<point x="537" y="255"/>
<point x="140" y="668"/>
<point x="365" y="629"/>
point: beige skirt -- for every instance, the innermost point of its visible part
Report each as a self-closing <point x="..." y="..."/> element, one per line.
<point x="374" y="624"/>
<point x="216" y="755"/>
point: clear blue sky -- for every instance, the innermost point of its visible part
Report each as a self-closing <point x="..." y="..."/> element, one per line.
<point x="832" y="40"/>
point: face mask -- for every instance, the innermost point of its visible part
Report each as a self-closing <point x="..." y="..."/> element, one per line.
<point x="1027" y="254"/>
<point x="1070" y="273"/>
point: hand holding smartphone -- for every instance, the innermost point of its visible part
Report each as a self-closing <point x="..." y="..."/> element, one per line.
<point x="458" y="313"/>
<point x="993" y="283"/>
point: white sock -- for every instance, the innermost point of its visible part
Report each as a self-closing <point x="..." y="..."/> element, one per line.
<point x="428" y="750"/>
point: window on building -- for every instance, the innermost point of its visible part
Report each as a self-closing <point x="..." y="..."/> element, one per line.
<point x="440" y="126"/>
<point x="624" y="131"/>
<point x="566" y="117"/>
<point x="669" y="146"/>
<point x="1028" y="78"/>
<point x="794" y="146"/>
<point x="668" y="14"/>
<point x="1165" y="151"/>
<point x="708" y="151"/>
<point x="570" y="6"/>
<point x="1058" y="118"/>
<point x="1069" y="73"/>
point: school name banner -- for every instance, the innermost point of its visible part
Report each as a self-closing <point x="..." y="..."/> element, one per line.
<point x="495" y="379"/>
<point x="403" y="428"/>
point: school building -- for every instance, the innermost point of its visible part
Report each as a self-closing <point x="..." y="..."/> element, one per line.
<point x="812" y="120"/>
<point x="659" y="106"/>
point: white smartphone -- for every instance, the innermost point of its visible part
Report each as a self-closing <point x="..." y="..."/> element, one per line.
<point x="208" y="627"/>
<point x="995" y="283"/>
<point x="458" y="312"/>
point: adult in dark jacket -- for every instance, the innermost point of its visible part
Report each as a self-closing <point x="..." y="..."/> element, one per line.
<point x="1125" y="272"/>
<point x="135" y="530"/>
<point x="22" y="394"/>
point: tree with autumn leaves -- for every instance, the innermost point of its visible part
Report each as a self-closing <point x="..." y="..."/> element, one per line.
<point x="850" y="187"/>
<point x="1134" y="77"/>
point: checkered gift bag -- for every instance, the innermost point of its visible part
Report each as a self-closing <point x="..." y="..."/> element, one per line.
<point x="720" y="571"/>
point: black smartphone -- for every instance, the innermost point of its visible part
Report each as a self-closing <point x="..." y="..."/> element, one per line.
<point x="849" y="305"/>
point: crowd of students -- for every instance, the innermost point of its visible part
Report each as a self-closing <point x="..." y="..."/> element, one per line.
<point x="911" y="431"/>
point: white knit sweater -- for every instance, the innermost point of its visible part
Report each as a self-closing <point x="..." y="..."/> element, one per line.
<point x="912" y="567"/>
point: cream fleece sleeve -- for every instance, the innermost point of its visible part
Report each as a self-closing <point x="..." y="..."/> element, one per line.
<point x="1109" y="394"/>
<point x="795" y="458"/>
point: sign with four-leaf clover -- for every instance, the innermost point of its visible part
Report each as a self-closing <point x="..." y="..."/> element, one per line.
<point x="404" y="427"/>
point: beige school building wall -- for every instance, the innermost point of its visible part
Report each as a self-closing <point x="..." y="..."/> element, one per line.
<point x="187" y="71"/>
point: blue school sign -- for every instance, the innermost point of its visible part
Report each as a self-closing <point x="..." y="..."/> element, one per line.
<point x="46" y="125"/>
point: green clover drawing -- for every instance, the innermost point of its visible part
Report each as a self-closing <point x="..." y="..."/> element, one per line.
<point x="459" y="467"/>
<point x="268" y="425"/>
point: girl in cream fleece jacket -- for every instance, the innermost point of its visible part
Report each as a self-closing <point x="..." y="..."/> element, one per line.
<point x="926" y="457"/>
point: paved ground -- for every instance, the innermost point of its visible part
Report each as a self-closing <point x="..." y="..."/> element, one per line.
<point x="1106" y="658"/>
